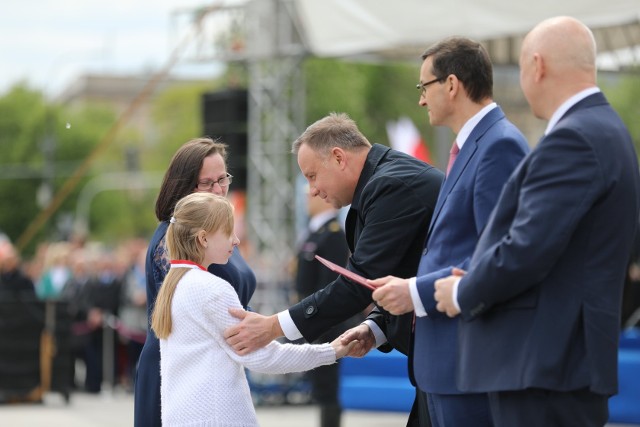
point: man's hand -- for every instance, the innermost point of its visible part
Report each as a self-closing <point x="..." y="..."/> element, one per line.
<point x="253" y="332"/>
<point x="363" y="338"/>
<point x="444" y="295"/>
<point x="393" y="294"/>
<point x="95" y="318"/>
<point x="634" y="272"/>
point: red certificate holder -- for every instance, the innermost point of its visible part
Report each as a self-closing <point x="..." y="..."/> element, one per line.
<point x="346" y="273"/>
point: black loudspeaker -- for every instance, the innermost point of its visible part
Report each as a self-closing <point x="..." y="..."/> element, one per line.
<point x="224" y="117"/>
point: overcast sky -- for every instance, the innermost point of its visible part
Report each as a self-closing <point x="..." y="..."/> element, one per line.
<point x="49" y="42"/>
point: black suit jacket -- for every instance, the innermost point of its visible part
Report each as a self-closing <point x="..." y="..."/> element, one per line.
<point x="386" y="228"/>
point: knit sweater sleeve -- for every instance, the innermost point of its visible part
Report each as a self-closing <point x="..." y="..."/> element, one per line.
<point x="275" y="358"/>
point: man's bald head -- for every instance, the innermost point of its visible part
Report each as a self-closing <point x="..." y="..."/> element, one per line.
<point x="9" y="258"/>
<point x="565" y="41"/>
<point x="557" y="60"/>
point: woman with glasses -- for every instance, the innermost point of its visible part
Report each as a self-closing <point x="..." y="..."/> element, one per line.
<point x="198" y="166"/>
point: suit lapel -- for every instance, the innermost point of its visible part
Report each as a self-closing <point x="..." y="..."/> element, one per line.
<point x="468" y="150"/>
<point x="466" y="154"/>
<point x="350" y="228"/>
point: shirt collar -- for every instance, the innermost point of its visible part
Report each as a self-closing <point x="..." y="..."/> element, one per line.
<point x="564" y="107"/>
<point x="468" y="127"/>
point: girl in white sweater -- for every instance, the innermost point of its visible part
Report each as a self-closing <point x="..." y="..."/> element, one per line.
<point x="203" y="382"/>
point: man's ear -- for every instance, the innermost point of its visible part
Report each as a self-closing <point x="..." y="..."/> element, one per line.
<point x="540" y="67"/>
<point x="339" y="156"/>
<point x="453" y="85"/>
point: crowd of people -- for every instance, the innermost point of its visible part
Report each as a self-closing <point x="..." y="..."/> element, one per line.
<point x="501" y="277"/>
<point x="97" y="289"/>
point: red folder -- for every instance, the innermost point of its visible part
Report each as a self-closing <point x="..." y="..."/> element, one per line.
<point x="346" y="273"/>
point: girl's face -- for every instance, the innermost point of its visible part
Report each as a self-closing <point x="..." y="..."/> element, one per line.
<point x="218" y="247"/>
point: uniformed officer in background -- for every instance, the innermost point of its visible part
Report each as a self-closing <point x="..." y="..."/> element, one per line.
<point x="325" y="237"/>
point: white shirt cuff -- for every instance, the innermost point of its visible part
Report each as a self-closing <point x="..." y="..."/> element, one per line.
<point x="418" y="307"/>
<point x="288" y="327"/>
<point x="377" y="332"/>
<point x="454" y="294"/>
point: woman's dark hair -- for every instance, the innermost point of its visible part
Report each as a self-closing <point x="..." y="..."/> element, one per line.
<point x="182" y="175"/>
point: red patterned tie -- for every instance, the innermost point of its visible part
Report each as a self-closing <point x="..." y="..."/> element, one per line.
<point x="453" y="153"/>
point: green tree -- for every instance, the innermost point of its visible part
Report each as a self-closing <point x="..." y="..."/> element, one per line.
<point x="41" y="146"/>
<point x="177" y="116"/>
<point x="22" y="122"/>
<point x="372" y="94"/>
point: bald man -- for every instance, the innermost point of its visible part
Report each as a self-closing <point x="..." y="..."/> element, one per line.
<point x="540" y="304"/>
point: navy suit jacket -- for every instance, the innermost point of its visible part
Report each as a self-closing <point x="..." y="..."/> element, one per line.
<point x="468" y="195"/>
<point x="385" y="229"/>
<point x="541" y="301"/>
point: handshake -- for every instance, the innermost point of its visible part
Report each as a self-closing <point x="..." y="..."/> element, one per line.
<point x="355" y="342"/>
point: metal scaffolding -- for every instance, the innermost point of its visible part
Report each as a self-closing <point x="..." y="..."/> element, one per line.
<point x="264" y="35"/>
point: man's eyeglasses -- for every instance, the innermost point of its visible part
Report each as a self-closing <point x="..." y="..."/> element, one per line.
<point x="422" y="87"/>
<point x="208" y="184"/>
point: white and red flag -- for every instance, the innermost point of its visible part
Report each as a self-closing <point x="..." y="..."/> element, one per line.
<point x="404" y="136"/>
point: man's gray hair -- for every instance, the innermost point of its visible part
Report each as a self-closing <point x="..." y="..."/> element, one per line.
<point x="334" y="130"/>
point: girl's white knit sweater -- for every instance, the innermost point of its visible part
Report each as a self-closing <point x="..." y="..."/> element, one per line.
<point x="203" y="382"/>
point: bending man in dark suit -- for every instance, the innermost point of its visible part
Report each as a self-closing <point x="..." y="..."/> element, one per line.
<point x="541" y="301"/>
<point x="392" y="197"/>
<point x="456" y="82"/>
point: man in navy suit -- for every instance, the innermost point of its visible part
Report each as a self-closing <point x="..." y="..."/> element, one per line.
<point x="456" y="84"/>
<point x="541" y="301"/>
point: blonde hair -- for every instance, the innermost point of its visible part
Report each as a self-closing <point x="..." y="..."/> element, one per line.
<point x="193" y="213"/>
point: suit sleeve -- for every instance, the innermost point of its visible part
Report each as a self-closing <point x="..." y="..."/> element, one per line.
<point x="560" y="183"/>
